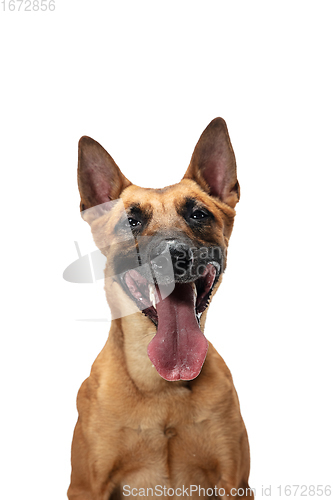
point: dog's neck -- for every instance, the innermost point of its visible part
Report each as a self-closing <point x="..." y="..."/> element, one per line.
<point x="130" y="336"/>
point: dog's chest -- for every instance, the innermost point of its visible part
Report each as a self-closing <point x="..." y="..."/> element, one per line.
<point x="166" y="448"/>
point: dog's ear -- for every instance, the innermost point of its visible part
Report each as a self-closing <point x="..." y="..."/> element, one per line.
<point x="213" y="164"/>
<point x="100" y="179"/>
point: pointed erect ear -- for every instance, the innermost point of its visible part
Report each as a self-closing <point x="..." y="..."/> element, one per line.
<point x="100" y="179"/>
<point x="213" y="163"/>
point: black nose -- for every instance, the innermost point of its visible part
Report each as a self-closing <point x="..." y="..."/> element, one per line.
<point x="182" y="258"/>
<point x="180" y="253"/>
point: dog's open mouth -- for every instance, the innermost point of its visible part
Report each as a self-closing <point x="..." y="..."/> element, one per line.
<point x="179" y="348"/>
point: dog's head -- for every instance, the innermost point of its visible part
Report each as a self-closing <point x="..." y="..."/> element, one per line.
<point x="166" y="248"/>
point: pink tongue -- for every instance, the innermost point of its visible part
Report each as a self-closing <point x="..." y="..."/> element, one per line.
<point x="179" y="348"/>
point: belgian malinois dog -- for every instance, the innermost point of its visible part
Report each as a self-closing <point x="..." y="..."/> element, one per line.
<point x="159" y="415"/>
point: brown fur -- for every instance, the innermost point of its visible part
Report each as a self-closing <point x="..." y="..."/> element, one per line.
<point x="134" y="427"/>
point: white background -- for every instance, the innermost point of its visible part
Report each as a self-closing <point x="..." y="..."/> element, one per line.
<point x="144" y="79"/>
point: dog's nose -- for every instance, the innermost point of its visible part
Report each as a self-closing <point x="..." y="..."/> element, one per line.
<point x="182" y="258"/>
<point x="178" y="252"/>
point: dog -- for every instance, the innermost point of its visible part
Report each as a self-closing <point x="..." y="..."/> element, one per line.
<point x="159" y="415"/>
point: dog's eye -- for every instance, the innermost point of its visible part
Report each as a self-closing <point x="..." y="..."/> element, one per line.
<point x="133" y="222"/>
<point x="199" y="214"/>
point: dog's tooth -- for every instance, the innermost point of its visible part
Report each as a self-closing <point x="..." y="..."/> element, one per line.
<point x="152" y="295"/>
<point x="194" y="290"/>
<point x="151" y="292"/>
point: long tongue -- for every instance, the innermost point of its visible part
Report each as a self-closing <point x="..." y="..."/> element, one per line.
<point x="179" y="348"/>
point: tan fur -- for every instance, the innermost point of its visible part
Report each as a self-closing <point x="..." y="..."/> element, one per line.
<point x="134" y="427"/>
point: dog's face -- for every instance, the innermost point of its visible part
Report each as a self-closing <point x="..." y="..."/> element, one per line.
<point x="166" y="248"/>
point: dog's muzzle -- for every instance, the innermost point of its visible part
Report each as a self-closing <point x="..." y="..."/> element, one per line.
<point x="172" y="258"/>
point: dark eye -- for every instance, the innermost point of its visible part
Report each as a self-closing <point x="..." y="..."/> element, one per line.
<point x="133" y="222"/>
<point x="199" y="214"/>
